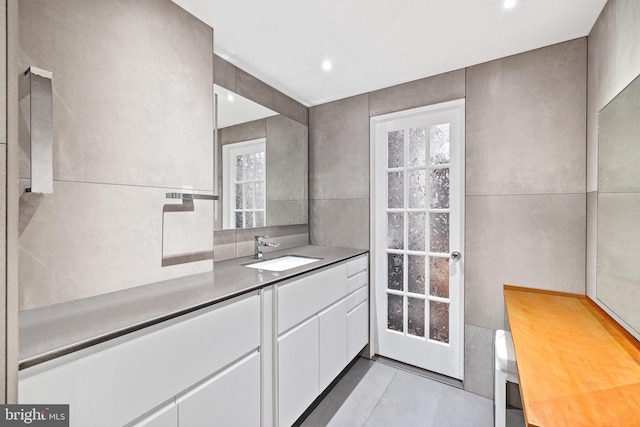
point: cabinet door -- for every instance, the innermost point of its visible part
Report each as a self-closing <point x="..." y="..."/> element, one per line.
<point x="297" y="371"/>
<point x="165" y="417"/>
<point x="333" y="342"/>
<point x="358" y="321"/>
<point x="231" y="398"/>
<point x="302" y="298"/>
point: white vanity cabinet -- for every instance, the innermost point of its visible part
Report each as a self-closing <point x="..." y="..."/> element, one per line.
<point x="256" y="360"/>
<point x="298" y="362"/>
<point x="320" y="328"/>
<point x="334" y="346"/>
<point x="231" y="398"/>
<point x="188" y="365"/>
<point x="165" y="417"/>
<point x="358" y="307"/>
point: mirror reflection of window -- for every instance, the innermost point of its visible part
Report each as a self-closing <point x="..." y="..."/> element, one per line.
<point x="244" y="169"/>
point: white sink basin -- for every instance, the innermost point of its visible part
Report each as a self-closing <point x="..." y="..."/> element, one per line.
<point x="282" y="263"/>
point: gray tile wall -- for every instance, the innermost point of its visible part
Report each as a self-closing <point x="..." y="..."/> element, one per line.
<point x="536" y="241"/>
<point x="526" y="122"/>
<point x="120" y="144"/>
<point x="339" y="173"/>
<point x="440" y="88"/>
<point x="614" y="61"/>
<point x="525" y="177"/>
<point x="287" y="171"/>
<point x="478" y="360"/>
<point x="237" y="243"/>
<point x="525" y="160"/>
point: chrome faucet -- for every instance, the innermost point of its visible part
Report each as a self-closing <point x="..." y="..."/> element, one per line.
<point x="260" y="243"/>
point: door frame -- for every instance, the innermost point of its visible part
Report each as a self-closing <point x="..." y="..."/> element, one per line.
<point x="375" y="226"/>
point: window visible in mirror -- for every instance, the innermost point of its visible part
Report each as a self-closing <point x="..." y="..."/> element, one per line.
<point x="244" y="171"/>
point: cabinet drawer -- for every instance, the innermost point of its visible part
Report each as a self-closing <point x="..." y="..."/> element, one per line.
<point x="357" y="265"/>
<point x="357" y="297"/>
<point x="302" y="298"/>
<point x="357" y="281"/>
<point x="114" y="383"/>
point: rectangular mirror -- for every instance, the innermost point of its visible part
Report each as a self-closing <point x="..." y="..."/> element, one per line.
<point x="262" y="166"/>
<point x="618" y="238"/>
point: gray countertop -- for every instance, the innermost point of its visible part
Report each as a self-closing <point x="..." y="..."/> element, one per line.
<point x="52" y="331"/>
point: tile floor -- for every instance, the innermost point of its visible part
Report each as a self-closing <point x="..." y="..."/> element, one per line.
<point x="373" y="393"/>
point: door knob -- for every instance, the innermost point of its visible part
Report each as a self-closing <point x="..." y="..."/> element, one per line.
<point x="455" y="255"/>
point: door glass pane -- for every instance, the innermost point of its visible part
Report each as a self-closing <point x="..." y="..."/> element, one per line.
<point x="439" y="277"/>
<point x="439" y="144"/>
<point x="259" y="217"/>
<point x="395" y="231"/>
<point x="239" y="222"/>
<point x="394" y="312"/>
<point x="416" y="273"/>
<point x="439" y="232"/>
<point x="260" y="166"/>
<point x="415" y="310"/>
<point x="395" y="149"/>
<point x="248" y="196"/>
<point x="417" y="140"/>
<point x="239" y="167"/>
<point x="249" y="166"/>
<point x="417" y="231"/>
<point x="260" y="195"/>
<point x="239" y="196"/>
<point x="395" y="193"/>
<point x="439" y="321"/>
<point x="395" y="271"/>
<point x="417" y="189"/>
<point x="439" y="187"/>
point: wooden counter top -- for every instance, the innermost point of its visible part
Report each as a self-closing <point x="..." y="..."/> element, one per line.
<point x="576" y="367"/>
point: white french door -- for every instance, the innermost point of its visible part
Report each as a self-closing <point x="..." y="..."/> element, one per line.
<point x="417" y="214"/>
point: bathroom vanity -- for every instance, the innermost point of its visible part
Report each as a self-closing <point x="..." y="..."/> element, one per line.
<point x="254" y="347"/>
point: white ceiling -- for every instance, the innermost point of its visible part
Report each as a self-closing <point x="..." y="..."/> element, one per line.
<point x="379" y="43"/>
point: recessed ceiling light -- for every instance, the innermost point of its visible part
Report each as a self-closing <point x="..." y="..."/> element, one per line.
<point x="326" y="65"/>
<point x="230" y="98"/>
<point x="508" y="4"/>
